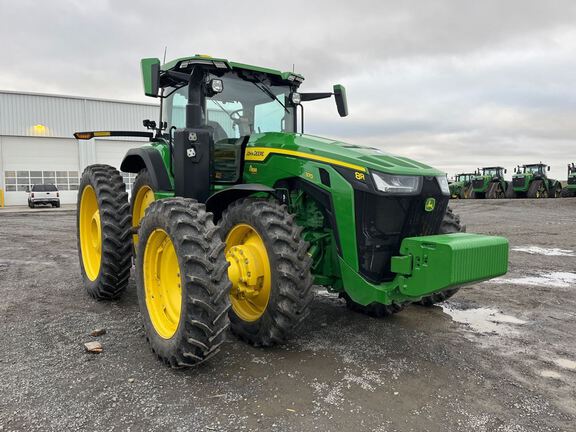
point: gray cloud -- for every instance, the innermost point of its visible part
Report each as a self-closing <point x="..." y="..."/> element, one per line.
<point x="453" y="83"/>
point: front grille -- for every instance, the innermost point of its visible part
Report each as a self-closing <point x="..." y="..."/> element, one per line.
<point x="382" y="222"/>
<point x="477" y="184"/>
<point x="518" y="182"/>
<point x="571" y="180"/>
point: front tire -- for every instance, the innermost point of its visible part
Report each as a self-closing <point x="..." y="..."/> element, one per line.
<point x="269" y="269"/>
<point x="103" y="230"/>
<point x="181" y="282"/>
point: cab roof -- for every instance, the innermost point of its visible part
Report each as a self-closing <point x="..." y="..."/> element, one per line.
<point x="221" y="63"/>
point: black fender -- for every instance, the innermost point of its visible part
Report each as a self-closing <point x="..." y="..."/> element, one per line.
<point x="218" y="202"/>
<point x="137" y="159"/>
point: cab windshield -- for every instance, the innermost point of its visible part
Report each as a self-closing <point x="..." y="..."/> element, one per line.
<point x="535" y="169"/>
<point x="242" y="108"/>
<point x="490" y="171"/>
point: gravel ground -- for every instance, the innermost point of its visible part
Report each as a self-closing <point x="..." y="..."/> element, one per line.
<point x="500" y="356"/>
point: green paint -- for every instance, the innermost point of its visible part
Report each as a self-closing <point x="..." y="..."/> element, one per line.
<point x="527" y="174"/>
<point x="489" y="175"/>
<point x="571" y="181"/>
<point x="231" y="65"/>
<point x="150" y="81"/>
<point x="296" y="162"/>
<point x="460" y="185"/>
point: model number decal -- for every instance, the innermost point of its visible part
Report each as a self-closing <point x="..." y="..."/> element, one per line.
<point x="359" y="176"/>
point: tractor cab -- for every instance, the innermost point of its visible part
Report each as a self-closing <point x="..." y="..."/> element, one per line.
<point x="210" y="109"/>
<point x="235" y="105"/>
<point x="572" y="174"/>
<point x="465" y="178"/>
<point x="536" y="170"/>
<point x="570" y="189"/>
<point x="493" y="172"/>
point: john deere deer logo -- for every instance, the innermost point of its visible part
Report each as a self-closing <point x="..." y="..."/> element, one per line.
<point x="430" y="204"/>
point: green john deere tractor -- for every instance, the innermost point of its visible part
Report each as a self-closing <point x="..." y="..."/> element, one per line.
<point x="570" y="188"/>
<point x="461" y="186"/>
<point x="489" y="183"/>
<point x="235" y="214"/>
<point x="531" y="181"/>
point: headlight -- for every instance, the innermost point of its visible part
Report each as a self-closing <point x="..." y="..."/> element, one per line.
<point x="443" y="183"/>
<point x="397" y="183"/>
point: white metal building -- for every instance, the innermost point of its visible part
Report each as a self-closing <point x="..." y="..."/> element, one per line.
<point x="37" y="143"/>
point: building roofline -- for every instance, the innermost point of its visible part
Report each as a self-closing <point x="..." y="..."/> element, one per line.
<point x="52" y="95"/>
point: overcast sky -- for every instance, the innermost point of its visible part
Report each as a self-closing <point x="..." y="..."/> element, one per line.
<point x="454" y="83"/>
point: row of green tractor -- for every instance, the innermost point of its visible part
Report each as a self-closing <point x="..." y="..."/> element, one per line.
<point x="528" y="181"/>
<point x="235" y="213"/>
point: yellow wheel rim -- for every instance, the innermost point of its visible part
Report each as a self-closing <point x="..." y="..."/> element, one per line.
<point x="249" y="272"/>
<point x="144" y="197"/>
<point x="90" y="233"/>
<point x="162" y="283"/>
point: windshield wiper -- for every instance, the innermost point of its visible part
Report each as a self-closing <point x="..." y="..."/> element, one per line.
<point x="269" y="92"/>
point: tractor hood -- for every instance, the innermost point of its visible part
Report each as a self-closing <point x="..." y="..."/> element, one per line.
<point x="260" y="146"/>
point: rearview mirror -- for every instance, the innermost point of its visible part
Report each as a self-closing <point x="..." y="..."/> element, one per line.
<point x="505" y="171"/>
<point x="150" y="76"/>
<point x="341" y="101"/>
<point x="548" y="168"/>
<point x="514" y="169"/>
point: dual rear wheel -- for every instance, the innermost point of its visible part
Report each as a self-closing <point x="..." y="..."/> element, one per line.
<point x="192" y="277"/>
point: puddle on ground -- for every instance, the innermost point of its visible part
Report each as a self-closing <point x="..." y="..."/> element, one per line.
<point x="536" y="250"/>
<point x="565" y="363"/>
<point x="484" y="320"/>
<point x="550" y="374"/>
<point x="551" y="279"/>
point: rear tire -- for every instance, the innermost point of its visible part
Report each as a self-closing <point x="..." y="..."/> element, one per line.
<point x="270" y="311"/>
<point x="567" y="193"/>
<point x="557" y="192"/>
<point x="181" y="282"/>
<point x="141" y="197"/>
<point x="450" y="224"/>
<point x="103" y="230"/>
<point x="510" y="194"/>
<point x="537" y="190"/>
<point x="495" y="191"/>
